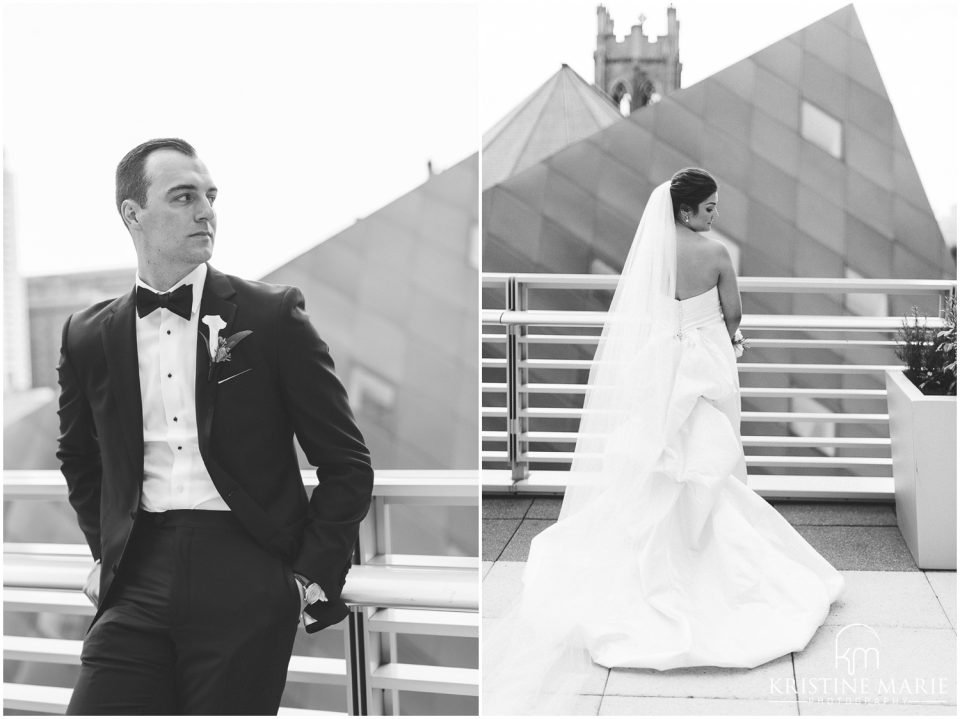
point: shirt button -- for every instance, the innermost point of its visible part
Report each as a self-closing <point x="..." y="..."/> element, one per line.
<point x="180" y="447"/>
<point x="168" y="331"/>
<point x="169" y="374"/>
<point x="174" y="419"/>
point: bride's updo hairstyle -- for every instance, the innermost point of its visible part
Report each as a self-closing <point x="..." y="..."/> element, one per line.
<point x="690" y="187"/>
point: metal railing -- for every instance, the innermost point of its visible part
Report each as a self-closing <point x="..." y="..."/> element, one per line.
<point x="814" y="400"/>
<point x="390" y="595"/>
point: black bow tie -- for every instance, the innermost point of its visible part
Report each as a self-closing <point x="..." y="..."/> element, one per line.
<point x="180" y="301"/>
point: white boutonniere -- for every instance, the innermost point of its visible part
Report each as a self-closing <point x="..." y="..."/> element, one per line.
<point x="739" y="343"/>
<point x="219" y="347"/>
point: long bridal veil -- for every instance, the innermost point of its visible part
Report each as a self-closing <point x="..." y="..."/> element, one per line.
<point x="535" y="660"/>
<point x="628" y="387"/>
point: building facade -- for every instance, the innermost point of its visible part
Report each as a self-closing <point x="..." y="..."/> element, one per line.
<point x="16" y="347"/>
<point x="815" y="178"/>
<point x="636" y="71"/>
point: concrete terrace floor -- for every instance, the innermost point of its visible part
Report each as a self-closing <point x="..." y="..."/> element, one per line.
<point x="913" y="612"/>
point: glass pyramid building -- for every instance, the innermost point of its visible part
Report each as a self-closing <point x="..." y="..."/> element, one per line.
<point x="395" y="297"/>
<point x="815" y="175"/>
<point x="816" y="180"/>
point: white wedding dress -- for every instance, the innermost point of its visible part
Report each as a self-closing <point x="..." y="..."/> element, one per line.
<point x="694" y="567"/>
<point x="662" y="556"/>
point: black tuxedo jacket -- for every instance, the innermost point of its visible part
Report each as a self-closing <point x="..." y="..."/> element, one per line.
<point x="246" y="424"/>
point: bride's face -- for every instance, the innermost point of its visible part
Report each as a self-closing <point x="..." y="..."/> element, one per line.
<point x="706" y="213"/>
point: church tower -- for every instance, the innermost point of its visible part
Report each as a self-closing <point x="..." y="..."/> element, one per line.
<point x="636" y="71"/>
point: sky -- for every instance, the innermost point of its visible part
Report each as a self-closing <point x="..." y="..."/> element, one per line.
<point x="311" y="115"/>
<point x="308" y="116"/>
<point x="913" y="41"/>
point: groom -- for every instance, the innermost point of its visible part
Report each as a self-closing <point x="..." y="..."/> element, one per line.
<point x="179" y="403"/>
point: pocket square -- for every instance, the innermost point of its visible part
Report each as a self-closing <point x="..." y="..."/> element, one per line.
<point x="226" y="379"/>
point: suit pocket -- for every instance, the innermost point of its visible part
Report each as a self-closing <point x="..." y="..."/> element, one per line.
<point x="235" y="377"/>
<point x="291" y="582"/>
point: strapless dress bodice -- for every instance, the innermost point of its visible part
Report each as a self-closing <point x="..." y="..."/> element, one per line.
<point x="699" y="310"/>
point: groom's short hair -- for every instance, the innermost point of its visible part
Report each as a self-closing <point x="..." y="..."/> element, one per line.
<point x="132" y="184"/>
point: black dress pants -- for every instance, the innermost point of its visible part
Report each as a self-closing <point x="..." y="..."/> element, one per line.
<point x="199" y="620"/>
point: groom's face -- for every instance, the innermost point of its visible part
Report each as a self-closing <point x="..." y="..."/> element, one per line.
<point x="178" y="223"/>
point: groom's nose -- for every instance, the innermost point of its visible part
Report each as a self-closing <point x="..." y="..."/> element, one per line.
<point x="205" y="211"/>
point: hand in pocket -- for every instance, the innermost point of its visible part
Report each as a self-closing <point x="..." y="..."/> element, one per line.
<point x="91" y="588"/>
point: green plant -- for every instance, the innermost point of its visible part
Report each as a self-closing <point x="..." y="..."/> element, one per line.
<point x="930" y="354"/>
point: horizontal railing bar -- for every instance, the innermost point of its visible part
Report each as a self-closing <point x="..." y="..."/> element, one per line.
<point x="828" y="285"/>
<point x="752" y="460"/>
<point x="817" y="368"/>
<point x="491" y="456"/>
<point x="424" y="678"/>
<point x="54" y="700"/>
<point x="774" y="367"/>
<point x="35" y="698"/>
<point x="401" y="621"/>
<point x="776" y="441"/>
<point x="392" y="485"/>
<point x="493" y="434"/>
<point x="532" y="339"/>
<point x="814" y="417"/>
<point x="580" y="318"/>
<point x="553" y="482"/>
<point x="748" y="440"/>
<point x="783" y="343"/>
<point x="436" y="588"/>
<point x="782" y="392"/>
<point x="314" y="670"/>
<point x="418" y="621"/>
<point x="573" y="412"/>
<point x="753" y="392"/>
<point x="58" y="601"/>
<point x="47" y="549"/>
<point x="432" y="561"/>
<point x="758" y="342"/>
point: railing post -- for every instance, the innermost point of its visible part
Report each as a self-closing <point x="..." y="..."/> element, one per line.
<point x="516" y="296"/>
<point x="356" y="664"/>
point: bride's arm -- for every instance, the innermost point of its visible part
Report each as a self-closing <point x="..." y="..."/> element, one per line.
<point x="729" y="292"/>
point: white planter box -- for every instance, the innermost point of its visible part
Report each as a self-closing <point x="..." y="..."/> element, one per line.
<point x="923" y="432"/>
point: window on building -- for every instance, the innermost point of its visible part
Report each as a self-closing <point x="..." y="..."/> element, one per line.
<point x="370" y="394"/>
<point x="622" y="98"/>
<point x="869" y="304"/>
<point x="599" y="267"/>
<point x="474" y="246"/>
<point x="813" y="429"/>
<point x="823" y="130"/>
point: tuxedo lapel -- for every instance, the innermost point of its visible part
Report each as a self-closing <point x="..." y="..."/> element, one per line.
<point x="215" y="301"/>
<point x="118" y="333"/>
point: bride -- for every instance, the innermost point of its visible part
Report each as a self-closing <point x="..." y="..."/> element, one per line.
<point x="662" y="556"/>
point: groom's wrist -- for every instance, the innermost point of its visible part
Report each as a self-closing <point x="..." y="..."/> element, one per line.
<point x="310" y="591"/>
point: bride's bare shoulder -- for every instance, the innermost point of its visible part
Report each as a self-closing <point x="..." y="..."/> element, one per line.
<point x="715" y="249"/>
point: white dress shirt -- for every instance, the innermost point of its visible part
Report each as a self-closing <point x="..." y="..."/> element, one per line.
<point x="174" y="476"/>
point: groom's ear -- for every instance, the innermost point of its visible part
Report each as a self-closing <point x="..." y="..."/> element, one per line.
<point x="130" y="212"/>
